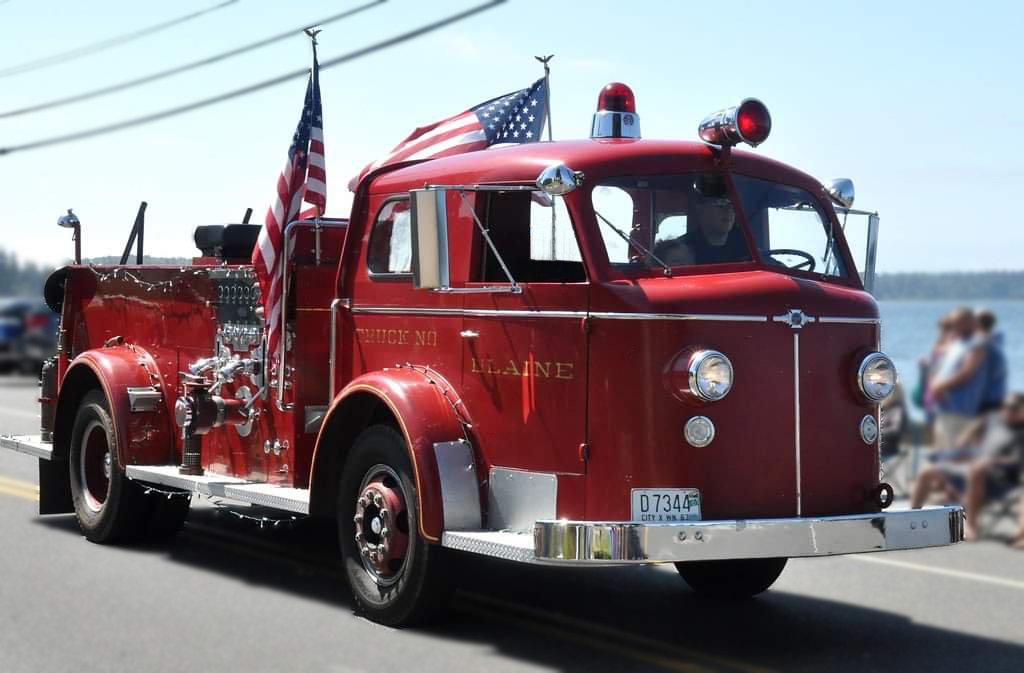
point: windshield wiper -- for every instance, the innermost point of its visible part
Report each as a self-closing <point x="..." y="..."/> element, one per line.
<point x="636" y="246"/>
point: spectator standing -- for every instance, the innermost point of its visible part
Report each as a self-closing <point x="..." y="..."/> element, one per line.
<point x="995" y="361"/>
<point x="928" y="365"/>
<point x="958" y="383"/>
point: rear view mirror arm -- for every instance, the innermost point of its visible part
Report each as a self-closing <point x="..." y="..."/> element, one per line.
<point x="490" y="243"/>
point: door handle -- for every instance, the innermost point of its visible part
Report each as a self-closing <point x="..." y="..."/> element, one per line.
<point x="469" y="334"/>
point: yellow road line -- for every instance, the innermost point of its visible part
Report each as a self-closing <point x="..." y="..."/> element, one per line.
<point x="16" y="483"/>
<point x="24" y="494"/>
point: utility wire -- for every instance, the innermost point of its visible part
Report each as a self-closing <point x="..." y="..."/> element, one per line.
<point x="108" y="43"/>
<point x="253" y="88"/>
<point x="128" y="84"/>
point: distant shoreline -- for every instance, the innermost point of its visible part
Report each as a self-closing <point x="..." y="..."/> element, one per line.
<point x="950" y="286"/>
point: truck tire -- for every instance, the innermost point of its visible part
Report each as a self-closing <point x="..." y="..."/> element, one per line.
<point x="109" y="506"/>
<point x="396" y="576"/>
<point x="733" y="578"/>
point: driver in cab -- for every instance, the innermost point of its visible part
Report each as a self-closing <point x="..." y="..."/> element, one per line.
<point x="712" y="236"/>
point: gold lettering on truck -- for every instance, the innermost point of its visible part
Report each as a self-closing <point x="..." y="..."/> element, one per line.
<point x="390" y="337"/>
<point x="539" y="369"/>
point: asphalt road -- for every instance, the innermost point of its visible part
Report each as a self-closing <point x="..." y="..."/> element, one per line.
<point x="227" y="596"/>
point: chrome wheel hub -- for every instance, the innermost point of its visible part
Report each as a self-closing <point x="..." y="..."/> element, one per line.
<point x="381" y="524"/>
<point x="95" y="466"/>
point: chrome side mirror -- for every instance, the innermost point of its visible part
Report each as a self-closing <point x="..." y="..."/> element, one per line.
<point x="558" y="179"/>
<point x="429" y="229"/>
<point x="841" y="191"/>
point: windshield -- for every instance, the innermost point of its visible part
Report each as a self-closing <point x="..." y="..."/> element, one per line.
<point x="789" y="226"/>
<point x="665" y="221"/>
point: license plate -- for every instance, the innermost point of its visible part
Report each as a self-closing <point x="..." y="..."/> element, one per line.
<point x="654" y="505"/>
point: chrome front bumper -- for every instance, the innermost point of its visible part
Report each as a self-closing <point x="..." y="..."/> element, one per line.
<point x="587" y="542"/>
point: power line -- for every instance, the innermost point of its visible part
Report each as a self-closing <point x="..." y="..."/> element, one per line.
<point x="253" y="88"/>
<point x="115" y="41"/>
<point x="128" y="84"/>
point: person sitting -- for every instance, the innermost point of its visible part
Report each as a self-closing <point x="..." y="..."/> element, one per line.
<point x="713" y="237"/>
<point x="986" y="459"/>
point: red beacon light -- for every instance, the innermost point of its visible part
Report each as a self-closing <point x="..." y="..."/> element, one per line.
<point x="616" y="115"/>
<point x="748" y="122"/>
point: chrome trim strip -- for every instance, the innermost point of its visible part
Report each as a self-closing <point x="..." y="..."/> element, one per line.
<point x="473" y="313"/>
<point x="851" y="321"/>
<point x="604" y="315"/>
<point x="679" y="316"/>
<point x="617" y="542"/>
<point x="331" y="357"/>
<point x="796" y="422"/>
<point x="400" y="310"/>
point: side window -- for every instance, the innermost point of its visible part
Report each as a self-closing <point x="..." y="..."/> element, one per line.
<point x="535" y="248"/>
<point x="390" y="248"/>
<point x="551" y="234"/>
<point x="616" y="204"/>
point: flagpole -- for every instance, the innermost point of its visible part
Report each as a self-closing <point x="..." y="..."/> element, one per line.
<point x="547" y="85"/>
<point x="547" y="109"/>
<point x="312" y="33"/>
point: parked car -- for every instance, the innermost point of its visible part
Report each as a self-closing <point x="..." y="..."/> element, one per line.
<point x="28" y="334"/>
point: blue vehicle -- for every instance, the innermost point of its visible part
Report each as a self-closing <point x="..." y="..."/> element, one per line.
<point x="28" y="334"/>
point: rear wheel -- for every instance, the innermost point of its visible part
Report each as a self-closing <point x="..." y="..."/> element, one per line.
<point x="396" y="576"/>
<point x="733" y="578"/>
<point x="109" y="506"/>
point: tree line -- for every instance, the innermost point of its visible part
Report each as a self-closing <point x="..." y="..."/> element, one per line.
<point x="25" y="279"/>
<point x="19" y="279"/>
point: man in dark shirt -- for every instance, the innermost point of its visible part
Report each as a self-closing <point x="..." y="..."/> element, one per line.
<point x="713" y="236"/>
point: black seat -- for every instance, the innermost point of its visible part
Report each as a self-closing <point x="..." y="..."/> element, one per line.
<point x="227" y="241"/>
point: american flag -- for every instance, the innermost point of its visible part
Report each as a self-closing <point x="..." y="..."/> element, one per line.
<point x="513" y="118"/>
<point x="303" y="179"/>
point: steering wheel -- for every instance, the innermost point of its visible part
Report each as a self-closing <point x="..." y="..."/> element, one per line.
<point x="807" y="257"/>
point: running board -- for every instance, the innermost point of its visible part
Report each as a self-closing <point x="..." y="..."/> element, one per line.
<point x="221" y="486"/>
<point x="508" y="545"/>
<point x="31" y="445"/>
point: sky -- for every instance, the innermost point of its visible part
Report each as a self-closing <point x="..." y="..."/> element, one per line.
<point x="918" y="102"/>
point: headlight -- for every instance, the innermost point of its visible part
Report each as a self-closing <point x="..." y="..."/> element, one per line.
<point x="876" y="376"/>
<point x="710" y="375"/>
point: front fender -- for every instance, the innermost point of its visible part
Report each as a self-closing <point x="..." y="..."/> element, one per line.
<point x="414" y="400"/>
<point x="143" y="437"/>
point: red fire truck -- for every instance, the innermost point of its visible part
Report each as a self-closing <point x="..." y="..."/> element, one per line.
<point x="582" y="353"/>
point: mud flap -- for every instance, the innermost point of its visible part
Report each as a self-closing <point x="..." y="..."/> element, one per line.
<point x="54" y="487"/>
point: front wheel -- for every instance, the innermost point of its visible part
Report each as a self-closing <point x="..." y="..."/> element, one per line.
<point x="396" y="576"/>
<point x="733" y="578"/>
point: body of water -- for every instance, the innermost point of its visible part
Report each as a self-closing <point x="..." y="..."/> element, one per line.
<point x="909" y="330"/>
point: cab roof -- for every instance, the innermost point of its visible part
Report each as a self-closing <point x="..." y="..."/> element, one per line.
<point x="596" y="158"/>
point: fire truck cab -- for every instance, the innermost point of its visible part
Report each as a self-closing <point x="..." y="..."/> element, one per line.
<point x="604" y="351"/>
